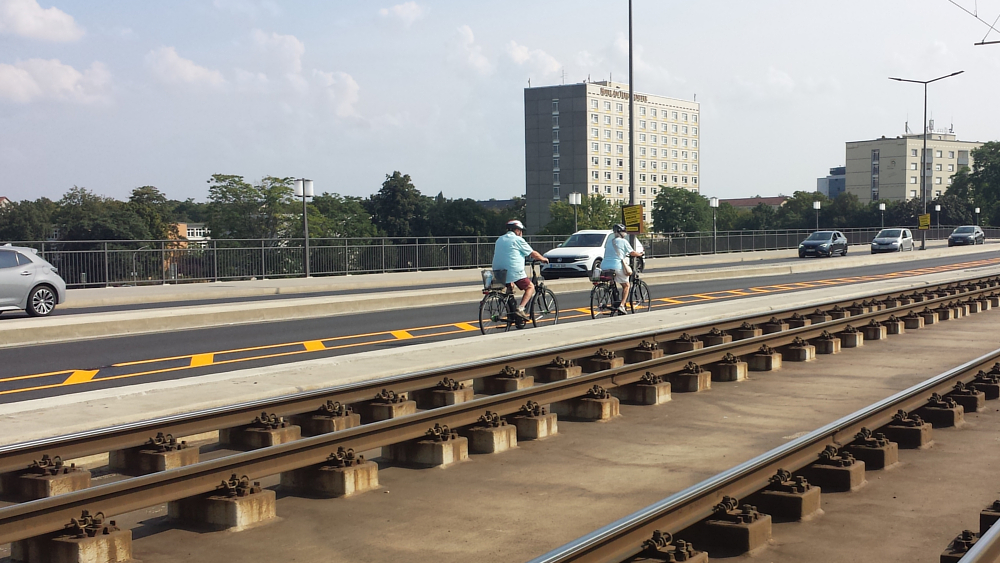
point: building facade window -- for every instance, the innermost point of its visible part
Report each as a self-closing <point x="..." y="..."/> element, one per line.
<point x="621" y="136"/>
<point x="555" y="106"/>
<point x="621" y="189"/>
<point x="555" y="134"/>
<point x="594" y="118"/>
<point x="694" y="130"/>
<point x="951" y="154"/>
<point x="642" y="151"/>
<point x="642" y="124"/>
<point x="621" y="149"/>
<point x="595" y="174"/>
<point x="555" y="192"/>
<point x="684" y="179"/>
<point x="694" y="156"/>
<point x="684" y="130"/>
<point x="642" y="137"/>
<point x="607" y="133"/>
<point x="595" y="160"/>
<point x="913" y="152"/>
<point x="607" y="161"/>
<point x="593" y="104"/>
<point x="607" y="147"/>
<point x="607" y="175"/>
<point x="937" y="167"/>
<point x="555" y="164"/>
<point x="951" y="168"/>
<point x="642" y="110"/>
<point x="694" y="142"/>
<point x="621" y="177"/>
<point x="607" y="189"/>
<point x="555" y="149"/>
<point x="595" y="147"/>
<point x="595" y="188"/>
<point x="937" y="154"/>
<point x="684" y="154"/>
<point x="913" y="179"/>
<point x="620" y="121"/>
<point x="619" y="108"/>
<point x="937" y="180"/>
<point x="673" y="115"/>
<point x="621" y="162"/>
<point x="555" y="177"/>
<point x="642" y="178"/>
<point x="913" y="166"/>
<point x="684" y="116"/>
<point x="694" y="118"/>
<point x="673" y="154"/>
<point x="913" y="193"/>
<point x="595" y="132"/>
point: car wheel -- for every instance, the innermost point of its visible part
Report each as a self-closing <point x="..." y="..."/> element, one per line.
<point x="597" y="263"/>
<point x="41" y="301"/>
<point x="844" y="253"/>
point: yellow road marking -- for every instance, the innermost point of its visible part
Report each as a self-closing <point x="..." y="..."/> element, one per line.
<point x="199" y="360"/>
<point x="314" y="345"/>
<point x="195" y="360"/>
<point x="80" y="376"/>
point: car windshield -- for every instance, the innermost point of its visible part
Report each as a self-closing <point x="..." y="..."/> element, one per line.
<point x="889" y="233"/>
<point x="965" y="230"/>
<point x="588" y="240"/>
<point x="821" y="235"/>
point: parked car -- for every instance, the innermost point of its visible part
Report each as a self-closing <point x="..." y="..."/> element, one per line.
<point x="892" y="240"/>
<point x="29" y="283"/>
<point x="967" y="234"/>
<point x="823" y="243"/>
<point x="579" y="254"/>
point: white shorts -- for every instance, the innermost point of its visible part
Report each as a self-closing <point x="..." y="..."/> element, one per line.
<point x="620" y="276"/>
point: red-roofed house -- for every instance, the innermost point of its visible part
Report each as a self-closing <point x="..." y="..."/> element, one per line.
<point x="751" y="202"/>
<point x="4" y="202"/>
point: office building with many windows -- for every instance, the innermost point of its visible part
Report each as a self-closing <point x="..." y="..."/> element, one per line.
<point x="576" y="140"/>
<point x="890" y="168"/>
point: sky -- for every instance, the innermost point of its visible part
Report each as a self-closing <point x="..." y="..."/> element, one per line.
<point x="118" y="94"/>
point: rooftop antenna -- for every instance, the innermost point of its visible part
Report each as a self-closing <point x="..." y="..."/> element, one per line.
<point x="529" y="83"/>
<point x="564" y="76"/>
<point x="696" y="97"/>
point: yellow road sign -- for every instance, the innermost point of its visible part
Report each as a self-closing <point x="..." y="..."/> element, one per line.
<point x="925" y="221"/>
<point x="632" y="217"/>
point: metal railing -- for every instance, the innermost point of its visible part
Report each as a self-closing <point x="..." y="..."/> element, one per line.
<point x="147" y="262"/>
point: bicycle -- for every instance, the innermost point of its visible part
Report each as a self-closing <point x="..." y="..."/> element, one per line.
<point x="498" y="309"/>
<point x="605" y="298"/>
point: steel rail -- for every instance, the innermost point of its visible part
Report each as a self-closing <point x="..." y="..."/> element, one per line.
<point x="37" y="517"/>
<point x="14" y="457"/>
<point x="986" y="550"/>
<point x="623" y="538"/>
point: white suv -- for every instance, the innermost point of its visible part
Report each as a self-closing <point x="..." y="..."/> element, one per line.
<point x="581" y="253"/>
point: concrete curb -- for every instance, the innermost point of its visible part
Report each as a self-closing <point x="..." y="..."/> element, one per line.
<point x="28" y="331"/>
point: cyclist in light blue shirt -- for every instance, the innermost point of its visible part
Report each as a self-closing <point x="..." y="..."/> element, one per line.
<point x="615" y="251"/>
<point x="509" y="254"/>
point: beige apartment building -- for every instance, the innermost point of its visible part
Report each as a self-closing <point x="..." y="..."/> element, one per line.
<point x="889" y="168"/>
<point x="576" y="140"/>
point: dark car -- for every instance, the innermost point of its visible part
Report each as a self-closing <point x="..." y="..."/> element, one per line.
<point x="823" y="243"/>
<point x="966" y="234"/>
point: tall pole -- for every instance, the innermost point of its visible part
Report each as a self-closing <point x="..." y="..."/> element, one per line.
<point x="715" y="234"/>
<point x="923" y="172"/>
<point x="631" y="122"/>
<point x="305" y="230"/>
<point x="575" y="228"/>
<point x="923" y="156"/>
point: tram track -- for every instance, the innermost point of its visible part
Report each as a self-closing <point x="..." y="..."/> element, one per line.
<point x="41" y="516"/>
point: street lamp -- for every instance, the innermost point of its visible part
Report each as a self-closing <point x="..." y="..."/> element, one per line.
<point x="714" y="204"/>
<point x="881" y="207"/>
<point x="977" y="216"/>
<point x="937" y="208"/>
<point x="816" y="206"/>
<point x="924" y="165"/>
<point x="574" y="200"/>
<point x="304" y="189"/>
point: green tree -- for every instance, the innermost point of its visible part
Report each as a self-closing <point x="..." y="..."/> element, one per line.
<point x="798" y="212"/>
<point x="27" y="220"/>
<point x="677" y="210"/>
<point x="727" y="217"/>
<point x="84" y="215"/>
<point x="759" y="218"/>
<point x="398" y="209"/>
<point x="153" y="209"/>
<point x="188" y="211"/>
<point x="340" y="216"/>
<point x="595" y="212"/>
<point x="240" y="210"/>
<point x="460" y="217"/>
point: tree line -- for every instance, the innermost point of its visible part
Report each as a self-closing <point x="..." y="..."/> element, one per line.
<point x="239" y="209"/>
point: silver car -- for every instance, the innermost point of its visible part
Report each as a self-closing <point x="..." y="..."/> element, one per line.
<point x="892" y="240"/>
<point x="29" y="283"/>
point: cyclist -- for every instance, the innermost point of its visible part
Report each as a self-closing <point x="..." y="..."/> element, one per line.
<point x="615" y="251"/>
<point x="509" y="254"/>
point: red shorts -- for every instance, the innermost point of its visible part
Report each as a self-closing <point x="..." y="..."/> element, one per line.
<point x="523" y="284"/>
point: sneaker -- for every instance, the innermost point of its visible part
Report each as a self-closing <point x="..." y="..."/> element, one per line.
<point x="522" y="313"/>
<point x="622" y="311"/>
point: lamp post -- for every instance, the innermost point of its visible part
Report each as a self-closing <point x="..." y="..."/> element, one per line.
<point x="714" y="204"/>
<point x="977" y="216"/>
<point x="881" y="207"/>
<point x="937" y="209"/>
<point x="304" y="189"/>
<point x="631" y="122"/>
<point x="816" y="206"/>
<point x="923" y="155"/>
<point x="574" y="200"/>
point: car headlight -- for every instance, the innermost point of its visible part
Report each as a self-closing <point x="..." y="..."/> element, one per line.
<point x="801" y="245"/>
<point x="824" y="245"/>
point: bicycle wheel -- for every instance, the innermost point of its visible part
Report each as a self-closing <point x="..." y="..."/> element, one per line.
<point x="544" y="308"/>
<point x="600" y="301"/>
<point x="493" y="314"/>
<point x="639" y="300"/>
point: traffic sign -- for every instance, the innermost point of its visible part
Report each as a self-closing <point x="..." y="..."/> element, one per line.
<point x="925" y="221"/>
<point x="632" y="217"/>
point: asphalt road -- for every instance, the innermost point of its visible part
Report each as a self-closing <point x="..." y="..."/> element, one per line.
<point x="57" y="369"/>
<point x="662" y="265"/>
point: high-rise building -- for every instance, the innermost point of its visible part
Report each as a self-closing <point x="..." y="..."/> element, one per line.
<point x="576" y="140"/>
<point x="889" y="168"/>
<point x="834" y="184"/>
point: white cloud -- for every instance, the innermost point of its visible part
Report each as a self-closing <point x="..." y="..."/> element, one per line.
<point x="37" y="79"/>
<point x="170" y="67"/>
<point x="282" y="53"/>
<point x="27" y="19"/>
<point x="342" y="91"/>
<point x="407" y="12"/>
<point x="537" y="60"/>
<point x="470" y="54"/>
<point x="248" y="8"/>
